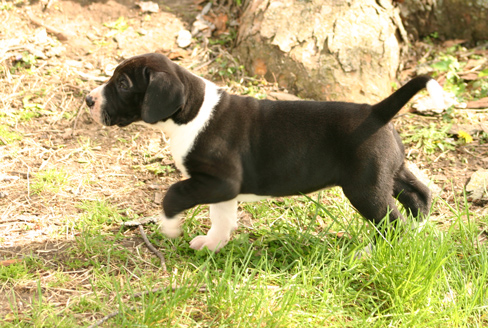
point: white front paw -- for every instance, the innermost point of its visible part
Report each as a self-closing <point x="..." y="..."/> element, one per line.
<point x="212" y="243"/>
<point x="170" y="227"/>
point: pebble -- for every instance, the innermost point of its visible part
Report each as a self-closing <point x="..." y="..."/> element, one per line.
<point x="184" y="38"/>
<point x="477" y="186"/>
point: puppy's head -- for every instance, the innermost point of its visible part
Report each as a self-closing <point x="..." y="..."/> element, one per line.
<point x="148" y="88"/>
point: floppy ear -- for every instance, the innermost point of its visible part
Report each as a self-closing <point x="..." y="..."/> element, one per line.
<point x="164" y="96"/>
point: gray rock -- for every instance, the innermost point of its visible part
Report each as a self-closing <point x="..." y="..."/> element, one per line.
<point x="477" y="187"/>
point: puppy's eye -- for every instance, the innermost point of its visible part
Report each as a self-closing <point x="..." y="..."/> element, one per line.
<point x="124" y="83"/>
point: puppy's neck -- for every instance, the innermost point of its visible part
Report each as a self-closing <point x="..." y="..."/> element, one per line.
<point x="191" y="129"/>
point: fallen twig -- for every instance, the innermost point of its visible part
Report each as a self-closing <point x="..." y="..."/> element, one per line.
<point x="152" y="248"/>
<point x="92" y="77"/>
<point x="22" y="174"/>
<point x="78" y="113"/>
<point x="57" y="33"/>
<point x="105" y="318"/>
<point x="136" y="223"/>
<point x="201" y="289"/>
<point x="2" y="140"/>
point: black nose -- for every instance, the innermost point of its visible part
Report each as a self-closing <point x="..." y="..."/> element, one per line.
<point x="89" y="101"/>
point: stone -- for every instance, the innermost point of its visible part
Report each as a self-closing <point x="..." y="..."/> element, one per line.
<point x="329" y="50"/>
<point x="477" y="187"/>
<point x="184" y="38"/>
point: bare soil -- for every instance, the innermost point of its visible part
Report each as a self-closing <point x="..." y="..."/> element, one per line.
<point x="111" y="163"/>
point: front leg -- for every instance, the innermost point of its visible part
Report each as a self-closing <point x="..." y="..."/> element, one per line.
<point x="224" y="221"/>
<point x="204" y="189"/>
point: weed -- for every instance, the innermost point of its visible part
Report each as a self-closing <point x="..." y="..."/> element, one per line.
<point x="225" y="39"/>
<point x="155" y="168"/>
<point x="30" y="109"/>
<point x="480" y="87"/>
<point x="483" y="138"/>
<point x="7" y="136"/>
<point x="6" y="6"/>
<point x="52" y="180"/>
<point x="96" y="216"/>
<point x="86" y="304"/>
<point x="465" y="136"/>
<point x="13" y="272"/>
<point x="450" y="65"/>
<point x="429" y="139"/>
<point x="86" y="147"/>
<point x="431" y="38"/>
<point x="226" y="67"/>
<point x="24" y="61"/>
<point x="120" y="25"/>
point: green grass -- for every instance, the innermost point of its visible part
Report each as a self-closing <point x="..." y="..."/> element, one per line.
<point x="430" y="139"/>
<point x="96" y="216"/>
<point x="51" y="181"/>
<point x="8" y="136"/>
<point x="288" y="270"/>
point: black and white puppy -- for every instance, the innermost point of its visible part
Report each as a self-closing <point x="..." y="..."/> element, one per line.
<point x="232" y="148"/>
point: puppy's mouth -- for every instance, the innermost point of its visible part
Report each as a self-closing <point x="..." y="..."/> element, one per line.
<point x="122" y="124"/>
<point x="126" y="121"/>
<point x="106" y="120"/>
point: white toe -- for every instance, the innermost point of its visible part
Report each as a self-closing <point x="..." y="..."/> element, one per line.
<point x="213" y="244"/>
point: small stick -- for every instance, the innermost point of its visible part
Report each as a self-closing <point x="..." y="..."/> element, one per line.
<point x="60" y="35"/>
<point x="152" y="248"/>
<point x="105" y="318"/>
<point x="80" y="110"/>
<point x="201" y="289"/>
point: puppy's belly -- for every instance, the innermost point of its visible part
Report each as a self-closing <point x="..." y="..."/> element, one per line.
<point x="251" y="193"/>
<point x="251" y="197"/>
<point x="255" y="198"/>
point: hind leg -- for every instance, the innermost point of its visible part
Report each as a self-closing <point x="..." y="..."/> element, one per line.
<point x="413" y="194"/>
<point x="374" y="203"/>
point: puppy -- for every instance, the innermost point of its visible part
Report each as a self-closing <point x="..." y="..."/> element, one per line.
<point x="232" y="148"/>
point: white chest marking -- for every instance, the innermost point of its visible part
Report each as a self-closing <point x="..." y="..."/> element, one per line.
<point x="182" y="137"/>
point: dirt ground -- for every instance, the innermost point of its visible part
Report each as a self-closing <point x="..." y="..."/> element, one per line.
<point x="128" y="167"/>
<point x="64" y="137"/>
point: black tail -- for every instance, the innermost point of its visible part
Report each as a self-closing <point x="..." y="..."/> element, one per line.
<point x="388" y="108"/>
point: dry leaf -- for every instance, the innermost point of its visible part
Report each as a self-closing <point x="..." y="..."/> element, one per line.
<point x="178" y="53"/>
<point x="469" y="76"/>
<point x="9" y="262"/>
<point x="477" y="104"/>
<point x="221" y="23"/>
<point x="259" y="67"/>
<point x="474" y="64"/>
<point x="451" y="43"/>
